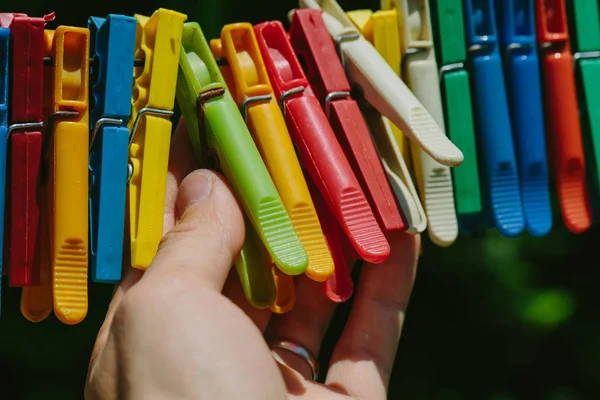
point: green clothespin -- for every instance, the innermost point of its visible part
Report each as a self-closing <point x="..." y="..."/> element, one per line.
<point x="586" y="52"/>
<point x="221" y="139"/>
<point x="449" y="34"/>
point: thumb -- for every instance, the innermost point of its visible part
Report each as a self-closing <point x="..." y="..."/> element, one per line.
<point x="205" y="242"/>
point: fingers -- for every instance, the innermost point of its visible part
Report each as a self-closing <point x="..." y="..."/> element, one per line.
<point x="363" y="358"/>
<point x="201" y="248"/>
<point x="234" y="292"/>
<point x="181" y="163"/>
<point x="306" y="324"/>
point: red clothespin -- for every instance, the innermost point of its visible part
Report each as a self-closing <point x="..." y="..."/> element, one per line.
<point x="563" y="114"/>
<point x="339" y="287"/>
<point x="25" y="145"/>
<point x="312" y="43"/>
<point x="320" y="152"/>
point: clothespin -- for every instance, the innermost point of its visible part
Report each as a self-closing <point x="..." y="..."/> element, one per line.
<point x="248" y="82"/>
<point x="339" y="287"/>
<point x="563" y="114"/>
<point x="321" y="153"/>
<point x="500" y="179"/>
<point x="36" y="301"/>
<point x="65" y="157"/>
<point x="158" y="43"/>
<point x="448" y="28"/>
<point x="113" y="45"/>
<point x="393" y="161"/>
<point x="585" y="28"/>
<point x="221" y="139"/>
<point x="25" y="138"/>
<point x="311" y="42"/>
<point x="381" y="86"/>
<point x="391" y="143"/>
<point x="516" y="29"/>
<point x="4" y="99"/>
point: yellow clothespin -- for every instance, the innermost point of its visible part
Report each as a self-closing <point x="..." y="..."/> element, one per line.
<point x="65" y="151"/>
<point x="247" y="79"/>
<point x="158" y="43"/>
<point x="405" y="40"/>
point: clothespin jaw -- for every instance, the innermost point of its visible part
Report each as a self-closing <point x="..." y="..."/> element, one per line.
<point x="113" y="45"/>
<point x="67" y="156"/>
<point x="563" y="114"/>
<point x="381" y="86"/>
<point x="517" y="38"/>
<point x="158" y="42"/>
<point x="322" y="155"/>
<point x="220" y="136"/>
<point x="311" y="41"/>
<point x="248" y="81"/>
<point x="502" y="192"/>
<point x="585" y="31"/>
<point x="451" y="49"/>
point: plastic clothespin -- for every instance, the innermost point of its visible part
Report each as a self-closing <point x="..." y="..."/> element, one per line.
<point x="248" y="82"/>
<point x="381" y="86"/>
<point x="221" y="138"/>
<point x="393" y="161"/>
<point x="36" y="301"/>
<point x="563" y="114"/>
<point x="339" y="287"/>
<point x="312" y="43"/>
<point x="25" y="143"/>
<point x="65" y="155"/>
<point x="158" y="43"/>
<point x="585" y="29"/>
<point x="449" y="32"/>
<point x="382" y="31"/>
<point x="320" y="152"/>
<point x="113" y="45"/>
<point x="516" y="29"/>
<point x="4" y="100"/>
<point x="420" y="72"/>
<point x="500" y="179"/>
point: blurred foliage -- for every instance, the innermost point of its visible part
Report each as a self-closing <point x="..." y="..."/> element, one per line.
<point x="490" y="317"/>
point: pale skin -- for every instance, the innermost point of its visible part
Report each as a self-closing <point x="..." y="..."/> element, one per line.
<point x="183" y="329"/>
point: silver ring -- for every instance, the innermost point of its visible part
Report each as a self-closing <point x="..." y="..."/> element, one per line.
<point x="298" y="350"/>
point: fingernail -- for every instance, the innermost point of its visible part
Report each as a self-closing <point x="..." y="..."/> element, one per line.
<point x="194" y="189"/>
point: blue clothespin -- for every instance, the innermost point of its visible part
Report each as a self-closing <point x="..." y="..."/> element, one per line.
<point x="517" y="37"/>
<point x="500" y="179"/>
<point x="111" y="81"/>
<point x="4" y="61"/>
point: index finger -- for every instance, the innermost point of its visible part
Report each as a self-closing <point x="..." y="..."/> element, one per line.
<point x="364" y="356"/>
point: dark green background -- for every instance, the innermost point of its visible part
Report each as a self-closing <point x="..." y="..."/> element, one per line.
<point x="490" y="318"/>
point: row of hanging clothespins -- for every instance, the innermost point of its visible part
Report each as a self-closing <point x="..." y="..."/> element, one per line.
<point x="318" y="129"/>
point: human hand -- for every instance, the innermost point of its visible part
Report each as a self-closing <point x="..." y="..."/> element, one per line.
<point x="183" y="329"/>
